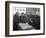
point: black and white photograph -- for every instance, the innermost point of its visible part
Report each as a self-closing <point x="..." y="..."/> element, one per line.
<point x="24" y="18"/>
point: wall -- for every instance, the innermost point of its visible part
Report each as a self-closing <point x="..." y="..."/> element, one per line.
<point x="33" y="11"/>
<point x="2" y="19"/>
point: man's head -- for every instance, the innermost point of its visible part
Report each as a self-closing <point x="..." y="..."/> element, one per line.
<point x="22" y="14"/>
<point x="17" y="13"/>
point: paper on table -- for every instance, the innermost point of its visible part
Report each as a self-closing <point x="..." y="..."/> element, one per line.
<point x="25" y="25"/>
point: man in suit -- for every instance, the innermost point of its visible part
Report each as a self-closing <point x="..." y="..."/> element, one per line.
<point x="35" y="21"/>
<point x="16" y="21"/>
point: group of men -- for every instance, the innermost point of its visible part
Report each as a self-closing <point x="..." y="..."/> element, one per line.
<point x="33" y="20"/>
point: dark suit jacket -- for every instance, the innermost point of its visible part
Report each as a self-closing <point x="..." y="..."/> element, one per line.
<point x="36" y="22"/>
<point x="15" y="22"/>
